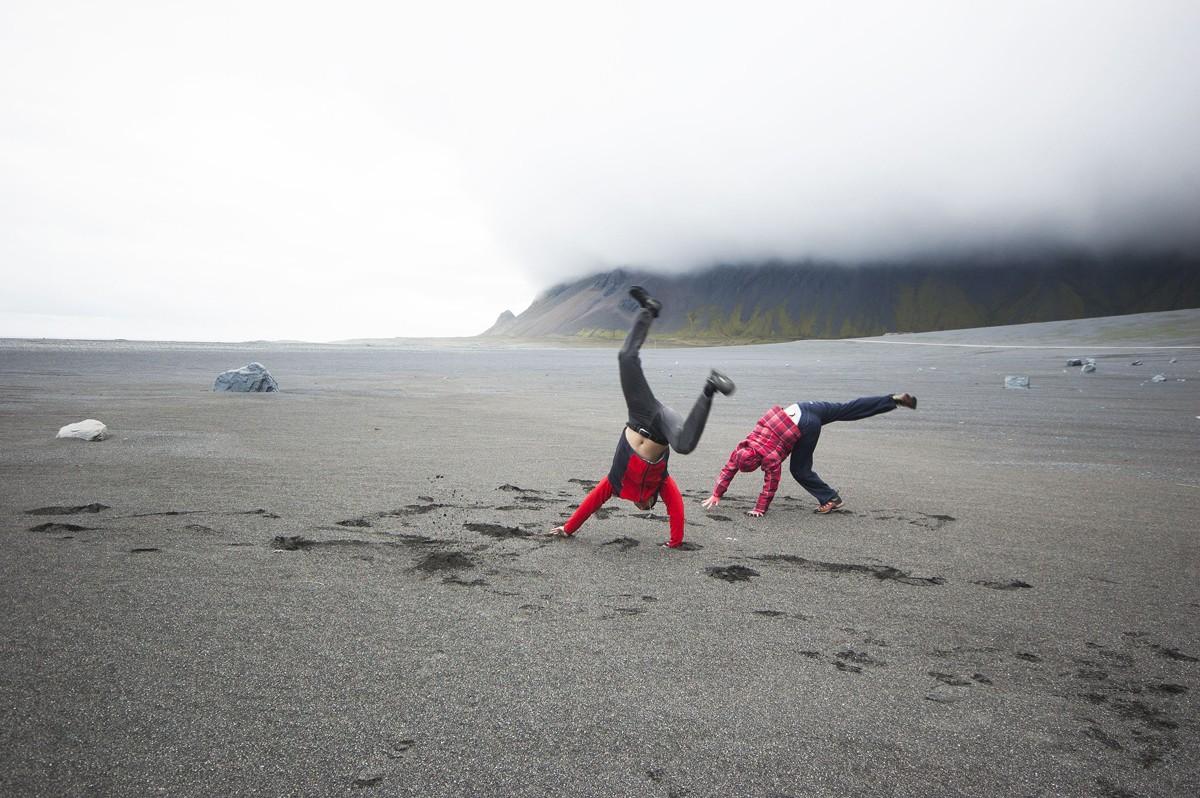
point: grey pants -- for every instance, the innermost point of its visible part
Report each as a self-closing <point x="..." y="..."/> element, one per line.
<point x="647" y="415"/>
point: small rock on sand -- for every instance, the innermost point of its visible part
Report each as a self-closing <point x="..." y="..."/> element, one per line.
<point x="1016" y="381"/>
<point x="1075" y="361"/>
<point x="1159" y="378"/>
<point x="87" y="430"/>
<point x="1088" y="368"/>
<point x="250" y="378"/>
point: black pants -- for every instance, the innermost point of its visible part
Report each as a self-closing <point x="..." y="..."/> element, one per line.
<point x="813" y="416"/>
<point x="647" y="415"/>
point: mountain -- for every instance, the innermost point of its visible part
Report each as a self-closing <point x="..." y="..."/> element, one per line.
<point x="786" y="301"/>
<point x="504" y="324"/>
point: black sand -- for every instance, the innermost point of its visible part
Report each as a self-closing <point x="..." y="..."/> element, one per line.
<point x="337" y="590"/>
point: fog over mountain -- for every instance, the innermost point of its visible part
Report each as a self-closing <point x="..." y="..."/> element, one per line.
<point x="382" y="169"/>
<point x="849" y="134"/>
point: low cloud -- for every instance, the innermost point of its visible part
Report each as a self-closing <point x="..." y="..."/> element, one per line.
<point x="389" y="169"/>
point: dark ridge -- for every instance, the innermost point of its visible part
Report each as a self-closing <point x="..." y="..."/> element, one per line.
<point x="498" y="531"/>
<point x="94" y="507"/>
<point x="445" y="561"/>
<point x="857" y="657"/>
<point x="623" y="543"/>
<point x="1175" y="654"/>
<point x="820" y="299"/>
<point x="413" y="509"/>
<point x="413" y="540"/>
<point x="53" y="526"/>
<point x="301" y="543"/>
<point x="882" y="572"/>
<point x="1100" y="736"/>
<point x="454" y="580"/>
<point x="1012" y="584"/>
<point x="291" y="543"/>
<point x="950" y="679"/>
<point x="1169" y="689"/>
<point x="259" y="512"/>
<point x="354" y="522"/>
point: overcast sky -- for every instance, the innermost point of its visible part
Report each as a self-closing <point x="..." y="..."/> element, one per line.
<point x="244" y="170"/>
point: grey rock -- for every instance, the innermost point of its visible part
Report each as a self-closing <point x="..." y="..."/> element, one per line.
<point x="1016" y="381"/>
<point x="1136" y="363"/>
<point x="1088" y="368"/>
<point x="1075" y="362"/>
<point x="1173" y="360"/>
<point x="1159" y="378"/>
<point x="251" y="378"/>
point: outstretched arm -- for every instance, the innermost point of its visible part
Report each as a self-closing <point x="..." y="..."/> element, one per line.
<point x="674" y="501"/>
<point x="771" y="466"/>
<point x="723" y="479"/>
<point x="590" y="504"/>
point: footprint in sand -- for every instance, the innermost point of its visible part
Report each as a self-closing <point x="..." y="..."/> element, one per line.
<point x="731" y="573"/>
<point x="622" y="543"/>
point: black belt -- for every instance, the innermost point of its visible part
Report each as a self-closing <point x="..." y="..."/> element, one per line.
<point x="645" y="433"/>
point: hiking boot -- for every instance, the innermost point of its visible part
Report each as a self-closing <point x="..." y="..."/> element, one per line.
<point x="643" y="298"/>
<point x="905" y="400"/>
<point x="719" y="382"/>
<point x="829" y="506"/>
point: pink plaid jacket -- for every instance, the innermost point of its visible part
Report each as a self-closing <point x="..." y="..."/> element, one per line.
<point x="766" y="447"/>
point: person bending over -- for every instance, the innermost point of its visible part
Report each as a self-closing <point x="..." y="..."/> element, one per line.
<point x="794" y="430"/>
<point x="639" y="466"/>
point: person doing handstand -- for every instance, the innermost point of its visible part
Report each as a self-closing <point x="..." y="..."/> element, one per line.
<point x="639" y="466"/>
<point x="795" y="430"/>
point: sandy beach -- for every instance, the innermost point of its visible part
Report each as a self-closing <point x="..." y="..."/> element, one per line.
<point x="343" y="588"/>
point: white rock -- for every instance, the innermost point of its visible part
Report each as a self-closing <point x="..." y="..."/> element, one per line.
<point x="1016" y="381"/>
<point x="87" y="430"/>
<point x="1159" y="378"/>
<point x="1088" y="368"/>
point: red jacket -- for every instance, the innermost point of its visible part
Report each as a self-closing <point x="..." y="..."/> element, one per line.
<point x="634" y="478"/>
<point x="766" y="447"/>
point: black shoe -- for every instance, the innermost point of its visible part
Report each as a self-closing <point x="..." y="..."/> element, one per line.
<point x="643" y="298"/>
<point x="719" y="382"/>
<point x="906" y="400"/>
